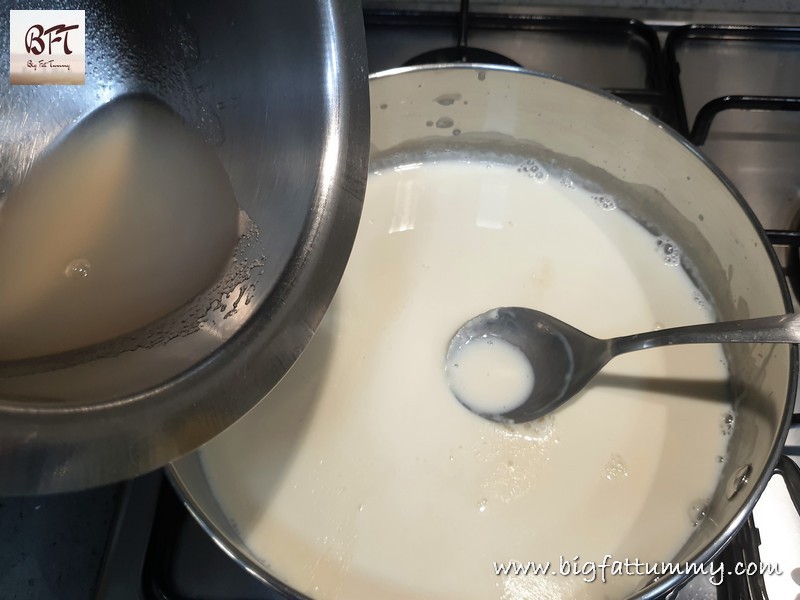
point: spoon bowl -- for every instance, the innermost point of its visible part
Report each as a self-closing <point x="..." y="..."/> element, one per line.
<point x="564" y="359"/>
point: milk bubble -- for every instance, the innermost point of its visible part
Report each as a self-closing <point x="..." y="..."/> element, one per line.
<point x="727" y="423"/>
<point x="604" y="201"/>
<point x="698" y="512"/>
<point x="669" y="251"/>
<point x="531" y="168"/>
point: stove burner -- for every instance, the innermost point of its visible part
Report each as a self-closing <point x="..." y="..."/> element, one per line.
<point x="462" y="52"/>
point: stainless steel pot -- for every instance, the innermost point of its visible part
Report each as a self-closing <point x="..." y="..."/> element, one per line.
<point x="664" y="181"/>
<point x="279" y="90"/>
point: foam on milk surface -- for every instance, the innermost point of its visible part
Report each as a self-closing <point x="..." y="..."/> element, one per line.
<point x="362" y="477"/>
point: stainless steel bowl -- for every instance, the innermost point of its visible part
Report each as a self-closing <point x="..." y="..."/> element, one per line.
<point x="279" y="90"/>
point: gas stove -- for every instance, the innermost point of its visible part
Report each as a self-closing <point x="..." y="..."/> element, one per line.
<point x="728" y="83"/>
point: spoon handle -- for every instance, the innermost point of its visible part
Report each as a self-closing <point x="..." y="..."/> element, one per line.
<point x="783" y="329"/>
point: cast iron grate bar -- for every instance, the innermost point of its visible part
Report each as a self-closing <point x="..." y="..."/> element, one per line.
<point x="779" y="237"/>
<point x="716" y="33"/>
<point x="702" y="123"/>
<point x="740" y="33"/>
<point x="706" y="115"/>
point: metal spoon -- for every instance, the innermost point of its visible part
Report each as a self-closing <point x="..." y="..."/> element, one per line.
<point x="565" y="359"/>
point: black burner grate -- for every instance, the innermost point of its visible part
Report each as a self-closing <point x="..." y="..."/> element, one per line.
<point x="698" y="132"/>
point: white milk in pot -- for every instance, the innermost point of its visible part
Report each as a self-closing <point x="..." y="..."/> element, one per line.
<point x="362" y="476"/>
